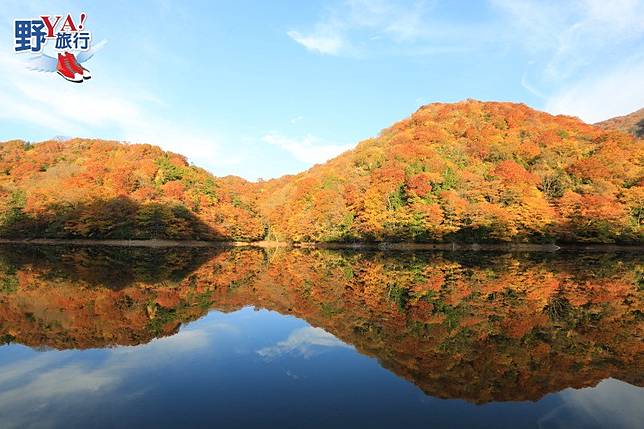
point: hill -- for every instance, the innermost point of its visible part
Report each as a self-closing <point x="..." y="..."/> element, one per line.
<point x="470" y="171"/>
<point x="633" y="123"/>
<point x="104" y="189"/>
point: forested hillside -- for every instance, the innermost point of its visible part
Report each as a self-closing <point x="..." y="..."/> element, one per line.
<point x="103" y="189"/>
<point x="470" y="171"/>
<point x="633" y="123"/>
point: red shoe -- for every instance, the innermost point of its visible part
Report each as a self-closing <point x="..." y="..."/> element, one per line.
<point x="64" y="69"/>
<point x="76" y="67"/>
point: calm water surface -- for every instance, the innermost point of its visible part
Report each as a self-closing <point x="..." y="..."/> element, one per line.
<point x="249" y="338"/>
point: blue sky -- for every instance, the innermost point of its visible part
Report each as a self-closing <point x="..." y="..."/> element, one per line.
<point x="261" y="89"/>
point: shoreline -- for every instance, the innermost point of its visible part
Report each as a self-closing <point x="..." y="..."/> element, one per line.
<point x="382" y="246"/>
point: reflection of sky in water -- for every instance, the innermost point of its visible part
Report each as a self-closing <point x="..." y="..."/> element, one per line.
<point x="261" y="369"/>
<point x="304" y="341"/>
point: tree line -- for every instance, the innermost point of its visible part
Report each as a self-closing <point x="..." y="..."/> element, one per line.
<point x="469" y="171"/>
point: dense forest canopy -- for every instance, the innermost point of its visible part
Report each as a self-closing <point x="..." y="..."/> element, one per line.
<point x="470" y="171"/>
<point x="104" y="189"/>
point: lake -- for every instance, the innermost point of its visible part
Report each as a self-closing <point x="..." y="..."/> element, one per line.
<point x="305" y="338"/>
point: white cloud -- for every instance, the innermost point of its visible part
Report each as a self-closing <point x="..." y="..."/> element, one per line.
<point x="45" y="100"/>
<point x="581" y="54"/>
<point x="346" y="28"/>
<point x="402" y="22"/>
<point x="614" y="93"/>
<point x="319" y="41"/>
<point x="47" y="381"/>
<point x="308" y="149"/>
<point x="302" y="341"/>
<point x="19" y="369"/>
<point x="59" y="381"/>
<point x="98" y="109"/>
<point x="572" y="35"/>
<point x="612" y="403"/>
<point x="202" y="149"/>
<point x="531" y="89"/>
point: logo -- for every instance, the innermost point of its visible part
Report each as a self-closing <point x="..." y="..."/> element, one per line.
<point x="69" y="39"/>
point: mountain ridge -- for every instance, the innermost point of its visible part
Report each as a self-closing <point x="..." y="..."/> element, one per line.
<point x="631" y="123"/>
<point x="470" y="171"/>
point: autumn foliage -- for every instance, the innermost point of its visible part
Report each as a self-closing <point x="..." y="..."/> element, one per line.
<point x="632" y="123"/>
<point x="101" y="189"/>
<point x="476" y="326"/>
<point x="470" y="171"/>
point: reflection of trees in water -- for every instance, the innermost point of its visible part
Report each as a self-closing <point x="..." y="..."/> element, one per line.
<point x="113" y="267"/>
<point x="477" y="326"/>
<point x="558" y="307"/>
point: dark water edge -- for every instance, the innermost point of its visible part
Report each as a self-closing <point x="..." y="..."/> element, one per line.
<point x="407" y="246"/>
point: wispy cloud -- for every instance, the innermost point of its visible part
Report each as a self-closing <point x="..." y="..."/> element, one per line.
<point x="321" y="40"/>
<point x="581" y="54"/>
<point x="52" y="104"/>
<point x="577" y="53"/>
<point x="48" y="381"/>
<point x="531" y="89"/>
<point x="605" y="95"/>
<point x="303" y="341"/>
<point x="102" y="107"/>
<point x="352" y="26"/>
<point x="44" y="100"/>
<point x="612" y="403"/>
<point x="307" y="149"/>
<point x="572" y="35"/>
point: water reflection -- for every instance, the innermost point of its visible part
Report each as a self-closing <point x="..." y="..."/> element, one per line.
<point x="481" y="328"/>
